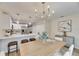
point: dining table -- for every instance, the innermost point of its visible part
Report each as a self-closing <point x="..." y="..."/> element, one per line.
<point x="40" y="48"/>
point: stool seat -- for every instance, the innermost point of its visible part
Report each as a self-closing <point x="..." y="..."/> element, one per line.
<point x="32" y="39"/>
<point x="24" y="41"/>
<point x="12" y="43"/>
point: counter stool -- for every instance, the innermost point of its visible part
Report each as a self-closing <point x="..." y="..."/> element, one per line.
<point x="24" y="41"/>
<point x="15" y="48"/>
<point x="32" y="39"/>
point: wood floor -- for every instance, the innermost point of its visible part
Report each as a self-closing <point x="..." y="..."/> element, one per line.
<point x="14" y="53"/>
<point x="75" y="52"/>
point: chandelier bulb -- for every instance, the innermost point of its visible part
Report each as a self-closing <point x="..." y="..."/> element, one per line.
<point x="48" y="6"/>
<point x="36" y="10"/>
<point x="49" y="15"/>
<point x="53" y="11"/>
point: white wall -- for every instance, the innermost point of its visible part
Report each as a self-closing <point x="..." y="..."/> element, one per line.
<point x="75" y="27"/>
<point x="48" y="26"/>
<point x="39" y="28"/>
<point x="4" y="23"/>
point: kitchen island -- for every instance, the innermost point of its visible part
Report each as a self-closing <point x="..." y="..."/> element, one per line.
<point x="17" y="37"/>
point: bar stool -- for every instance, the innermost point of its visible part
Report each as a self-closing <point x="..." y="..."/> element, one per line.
<point x="32" y="39"/>
<point x="10" y="44"/>
<point x="24" y="41"/>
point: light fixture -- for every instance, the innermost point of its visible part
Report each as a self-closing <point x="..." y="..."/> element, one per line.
<point x="46" y="10"/>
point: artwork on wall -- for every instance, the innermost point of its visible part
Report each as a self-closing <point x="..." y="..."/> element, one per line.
<point x="64" y="25"/>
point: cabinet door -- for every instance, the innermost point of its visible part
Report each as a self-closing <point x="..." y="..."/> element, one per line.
<point x="69" y="40"/>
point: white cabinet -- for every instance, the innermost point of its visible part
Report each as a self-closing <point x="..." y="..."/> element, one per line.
<point x="5" y="40"/>
<point x="69" y="40"/>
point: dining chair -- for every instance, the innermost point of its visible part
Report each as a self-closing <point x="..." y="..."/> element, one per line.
<point x="67" y="53"/>
<point x="58" y="38"/>
<point x="70" y="51"/>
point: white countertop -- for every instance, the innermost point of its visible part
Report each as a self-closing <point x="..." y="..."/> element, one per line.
<point x="4" y="40"/>
<point x="16" y="36"/>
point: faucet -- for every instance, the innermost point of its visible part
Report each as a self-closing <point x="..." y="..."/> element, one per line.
<point x="11" y="31"/>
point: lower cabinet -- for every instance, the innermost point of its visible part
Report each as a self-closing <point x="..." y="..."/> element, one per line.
<point x="69" y="40"/>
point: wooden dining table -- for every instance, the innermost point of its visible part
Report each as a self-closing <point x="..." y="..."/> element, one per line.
<point x="40" y="48"/>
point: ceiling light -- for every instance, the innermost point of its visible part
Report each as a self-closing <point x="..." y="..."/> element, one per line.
<point x="46" y="10"/>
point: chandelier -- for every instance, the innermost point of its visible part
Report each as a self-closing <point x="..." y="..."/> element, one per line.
<point x="45" y="11"/>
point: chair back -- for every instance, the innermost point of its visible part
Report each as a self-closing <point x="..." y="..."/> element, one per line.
<point x="12" y="46"/>
<point x="58" y="38"/>
<point x="70" y="51"/>
<point x="12" y="43"/>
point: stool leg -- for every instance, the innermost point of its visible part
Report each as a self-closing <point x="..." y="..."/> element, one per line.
<point x="16" y="48"/>
<point x="8" y="51"/>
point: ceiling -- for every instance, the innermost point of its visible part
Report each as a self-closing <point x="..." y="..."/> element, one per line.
<point x="26" y="10"/>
